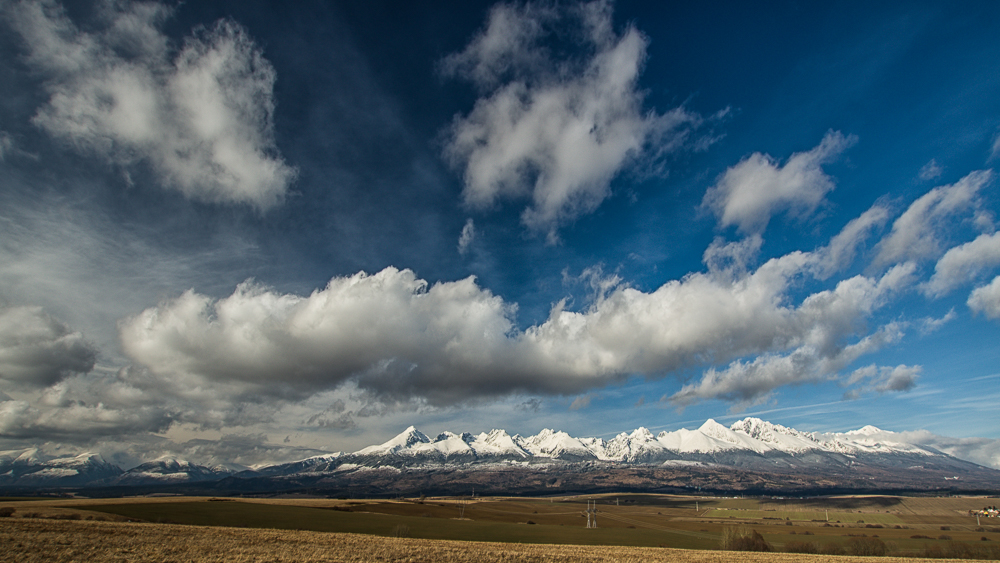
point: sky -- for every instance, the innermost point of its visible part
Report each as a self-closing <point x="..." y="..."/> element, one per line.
<point x="251" y="232"/>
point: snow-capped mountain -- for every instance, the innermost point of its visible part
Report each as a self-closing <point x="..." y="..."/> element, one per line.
<point x="29" y="468"/>
<point x="498" y="444"/>
<point x="315" y="464"/>
<point x="750" y="442"/>
<point x="166" y="470"/>
<point x="560" y="445"/>
<point x="752" y="445"/>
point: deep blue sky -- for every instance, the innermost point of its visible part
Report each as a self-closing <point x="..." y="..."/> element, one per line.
<point x="154" y="157"/>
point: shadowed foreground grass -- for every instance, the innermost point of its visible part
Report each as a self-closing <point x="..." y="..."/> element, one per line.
<point x="37" y="541"/>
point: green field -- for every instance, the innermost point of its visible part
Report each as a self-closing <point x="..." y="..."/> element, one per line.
<point x="287" y="517"/>
<point x="806" y="516"/>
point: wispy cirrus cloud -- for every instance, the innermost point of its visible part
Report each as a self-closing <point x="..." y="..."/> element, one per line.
<point x="6" y="145"/>
<point x="467" y="236"/>
<point x="930" y="171"/>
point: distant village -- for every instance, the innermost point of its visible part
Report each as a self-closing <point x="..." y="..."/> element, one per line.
<point x="989" y="512"/>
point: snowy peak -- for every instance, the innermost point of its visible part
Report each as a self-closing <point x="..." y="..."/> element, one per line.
<point x="712" y="428"/>
<point x="759" y="429"/>
<point x="162" y="465"/>
<point x="641" y="434"/>
<point x="552" y="444"/>
<point x="498" y="443"/>
<point x="868" y="430"/>
<point x="721" y="438"/>
<point x="30" y="456"/>
<point x="309" y="464"/>
<point x="712" y="442"/>
<point x="86" y="457"/>
<point x="638" y="446"/>
<point x="414" y="446"/>
<point x="873" y="440"/>
<point x="168" y="469"/>
<point x="31" y="467"/>
<point x="409" y="437"/>
<point x="231" y="468"/>
<point x="449" y="444"/>
<point x="88" y="462"/>
<point x="775" y="436"/>
<point x="404" y="440"/>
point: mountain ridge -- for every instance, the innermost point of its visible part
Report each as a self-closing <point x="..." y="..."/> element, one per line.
<point x="750" y="434"/>
<point x="748" y="445"/>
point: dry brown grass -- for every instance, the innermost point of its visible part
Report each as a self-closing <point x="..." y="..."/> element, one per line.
<point x="36" y="541"/>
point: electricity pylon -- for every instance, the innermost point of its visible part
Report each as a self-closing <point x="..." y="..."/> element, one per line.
<point x="591" y="514"/>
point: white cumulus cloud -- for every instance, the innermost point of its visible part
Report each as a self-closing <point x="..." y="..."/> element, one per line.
<point x="882" y="379"/>
<point x="749" y="193"/>
<point x="555" y="131"/>
<point x="200" y="116"/>
<point x="843" y="247"/>
<point x="917" y="232"/>
<point x="391" y="330"/>
<point x="397" y="337"/>
<point x="962" y="264"/>
<point x="751" y="382"/>
<point x="986" y="299"/>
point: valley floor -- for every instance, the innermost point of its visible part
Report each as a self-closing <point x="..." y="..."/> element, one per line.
<point x="632" y="527"/>
<point x="55" y="541"/>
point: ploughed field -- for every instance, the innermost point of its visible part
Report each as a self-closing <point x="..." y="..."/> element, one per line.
<point x="629" y="527"/>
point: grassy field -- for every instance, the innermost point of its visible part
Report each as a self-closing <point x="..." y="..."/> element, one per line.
<point x="817" y="516"/>
<point x="904" y="526"/>
<point x="418" y="524"/>
<point x="61" y="541"/>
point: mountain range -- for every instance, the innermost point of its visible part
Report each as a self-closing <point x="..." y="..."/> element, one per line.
<point x="751" y="452"/>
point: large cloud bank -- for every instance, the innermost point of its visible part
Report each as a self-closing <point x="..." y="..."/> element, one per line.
<point x="396" y="336"/>
<point x="552" y="129"/>
<point x="200" y="116"/>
